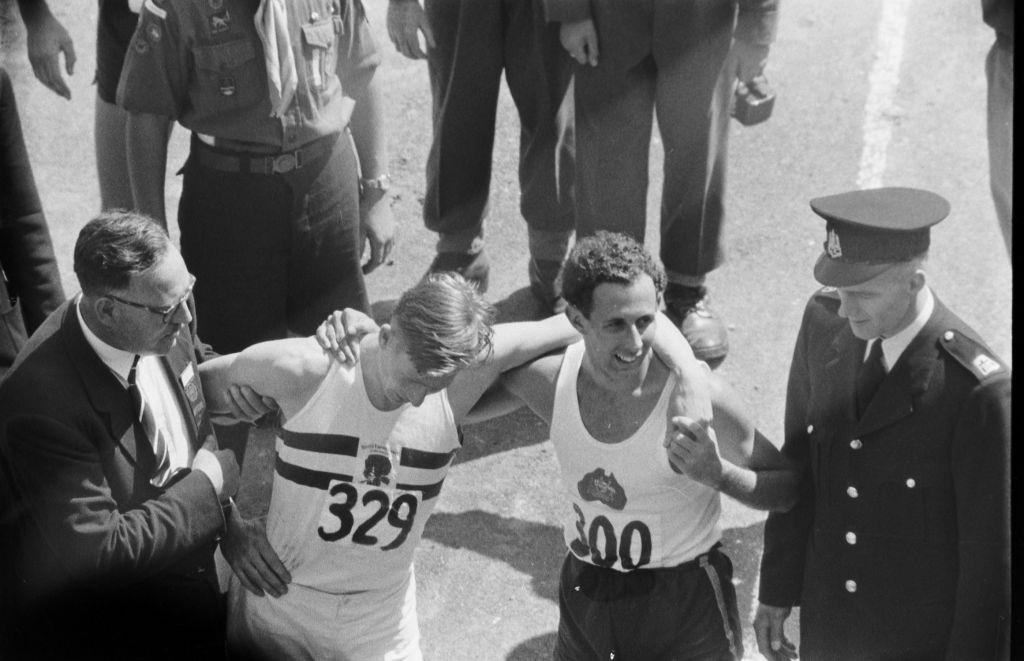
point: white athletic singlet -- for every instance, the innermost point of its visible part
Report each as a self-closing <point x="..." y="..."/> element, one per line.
<point x="353" y="486"/>
<point x="629" y="509"/>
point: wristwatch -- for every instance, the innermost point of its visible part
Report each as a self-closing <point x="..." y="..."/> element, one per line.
<point x="381" y="183"/>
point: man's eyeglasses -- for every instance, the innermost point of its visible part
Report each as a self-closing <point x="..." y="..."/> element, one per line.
<point x="167" y="313"/>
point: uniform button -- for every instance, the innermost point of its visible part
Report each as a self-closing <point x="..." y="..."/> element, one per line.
<point x="947" y="336"/>
<point x="856" y="444"/>
<point x="911" y="483"/>
<point x="852" y="492"/>
<point x="851" y="586"/>
<point x="851" y="538"/>
<point x="810" y="429"/>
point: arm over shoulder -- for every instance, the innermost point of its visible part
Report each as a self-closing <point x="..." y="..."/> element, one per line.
<point x="286" y="370"/>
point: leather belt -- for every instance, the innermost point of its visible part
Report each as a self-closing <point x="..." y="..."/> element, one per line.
<point x="265" y="164"/>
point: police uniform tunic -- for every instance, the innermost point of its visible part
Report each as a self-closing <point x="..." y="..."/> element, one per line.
<point x="269" y="206"/>
<point x="897" y="547"/>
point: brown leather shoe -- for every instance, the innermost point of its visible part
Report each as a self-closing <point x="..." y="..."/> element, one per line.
<point x="544" y="286"/>
<point x="475" y="268"/>
<point x="688" y="308"/>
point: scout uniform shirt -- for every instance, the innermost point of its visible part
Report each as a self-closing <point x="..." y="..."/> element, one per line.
<point x="201" y="62"/>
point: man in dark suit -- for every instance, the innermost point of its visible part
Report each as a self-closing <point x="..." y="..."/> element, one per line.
<point x="30" y="285"/>
<point x="113" y="480"/>
<point x="898" y="547"/>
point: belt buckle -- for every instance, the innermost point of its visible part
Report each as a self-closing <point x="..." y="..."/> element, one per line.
<point x="284" y="163"/>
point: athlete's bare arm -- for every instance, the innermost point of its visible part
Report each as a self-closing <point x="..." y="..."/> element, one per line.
<point x="514" y="344"/>
<point x="734" y="457"/>
<point x="287" y="370"/>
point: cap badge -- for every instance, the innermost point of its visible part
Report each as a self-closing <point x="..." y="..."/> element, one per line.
<point x="835" y="250"/>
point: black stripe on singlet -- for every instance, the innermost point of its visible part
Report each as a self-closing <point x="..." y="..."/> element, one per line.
<point x="315" y="479"/>
<point x="322" y="443"/>
<point x="414" y="458"/>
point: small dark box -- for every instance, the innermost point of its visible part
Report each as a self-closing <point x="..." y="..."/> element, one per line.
<point x="753" y="103"/>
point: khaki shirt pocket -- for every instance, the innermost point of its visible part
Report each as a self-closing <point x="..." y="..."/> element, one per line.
<point x="227" y="77"/>
<point x="319" y="47"/>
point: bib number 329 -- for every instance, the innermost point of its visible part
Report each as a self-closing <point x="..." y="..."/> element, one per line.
<point x="631" y="546"/>
<point x="374" y="506"/>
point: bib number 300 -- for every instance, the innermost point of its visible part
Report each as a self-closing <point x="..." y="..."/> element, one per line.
<point x="606" y="547"/>
<point x="401" y="514"/>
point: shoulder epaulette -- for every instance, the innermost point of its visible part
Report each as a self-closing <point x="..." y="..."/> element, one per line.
<point x="974" y="356"/>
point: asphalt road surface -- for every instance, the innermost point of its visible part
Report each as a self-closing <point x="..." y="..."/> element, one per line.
<point x="869" y="93"/>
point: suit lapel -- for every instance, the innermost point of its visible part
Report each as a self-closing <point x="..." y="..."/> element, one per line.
<point x="108" y="397"/>
<point x="846" y="354"/>
<point x="907" y="379"/>
<point x="184" y="374"/>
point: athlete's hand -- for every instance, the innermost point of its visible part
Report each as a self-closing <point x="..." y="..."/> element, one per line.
<point x="693" y="451"/>
<point x="245" y="405"/>
<point x="771" y="638"/>
<point x="579" y="38"/>
<point x="46" y="40"/>
<point x="406" y="19"/>
<point x="340" y="333"/>
<point x="252" y="558"/>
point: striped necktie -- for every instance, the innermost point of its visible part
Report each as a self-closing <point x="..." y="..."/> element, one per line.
<point x="870" y="377"/>
<point x="144" y="415"/>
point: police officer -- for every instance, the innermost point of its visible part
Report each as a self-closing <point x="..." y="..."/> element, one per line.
<point x="898" y="547"/>
<point x="270" y="205"/>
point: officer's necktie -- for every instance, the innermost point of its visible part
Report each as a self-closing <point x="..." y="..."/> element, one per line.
<point x="870" y="376"/>
<point x="145" y="417"/>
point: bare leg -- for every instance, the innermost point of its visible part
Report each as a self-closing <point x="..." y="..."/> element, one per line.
<point x="112" y="156"/>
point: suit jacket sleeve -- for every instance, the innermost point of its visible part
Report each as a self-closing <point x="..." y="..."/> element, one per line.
<point x="786" y="533"/>
<point x="26" y="253"/>
<point x="60" y="476"/>
<point x="981" y="478"/>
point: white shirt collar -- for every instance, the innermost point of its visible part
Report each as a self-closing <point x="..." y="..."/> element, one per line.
<point x="893" y="347"/>
<point x="118" y="360"/>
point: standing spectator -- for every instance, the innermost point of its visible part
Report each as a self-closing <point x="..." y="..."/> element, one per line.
<point x="270" y="204"/>
<point x="113" y="483"/>
<point x="899" y="418"/>
<point x="469" y="44"/>
<point x="999" y="70"/>
<point x="47" y="39"/>
<point x="666" y="55"/>
<point x="30" y="286"/>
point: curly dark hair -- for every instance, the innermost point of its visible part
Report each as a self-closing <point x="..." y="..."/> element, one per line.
<point x="606" y="257"/>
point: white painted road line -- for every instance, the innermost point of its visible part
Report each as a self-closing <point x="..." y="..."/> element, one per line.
<point x="882" y="86"/>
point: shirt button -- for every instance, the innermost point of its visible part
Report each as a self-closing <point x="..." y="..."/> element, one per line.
<point x="810" y="429"/>
<point x="851" y="538"/>
<point x="856" y="444"/>
<point x="851" y="586"/>
<point x="852" y="492"/>
<point x="948" y="335"/>
<point x="911" y="483"/>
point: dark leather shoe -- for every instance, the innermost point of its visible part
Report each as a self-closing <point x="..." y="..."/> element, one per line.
<point x="543" y="285"/>
<point x="688" y="308"/>
<point x="475" y="268"/>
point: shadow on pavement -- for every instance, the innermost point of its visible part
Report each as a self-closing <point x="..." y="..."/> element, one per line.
<point x="537" y="549"/>
<point x="534" y="549"/>
<point x="538" y="647"/>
